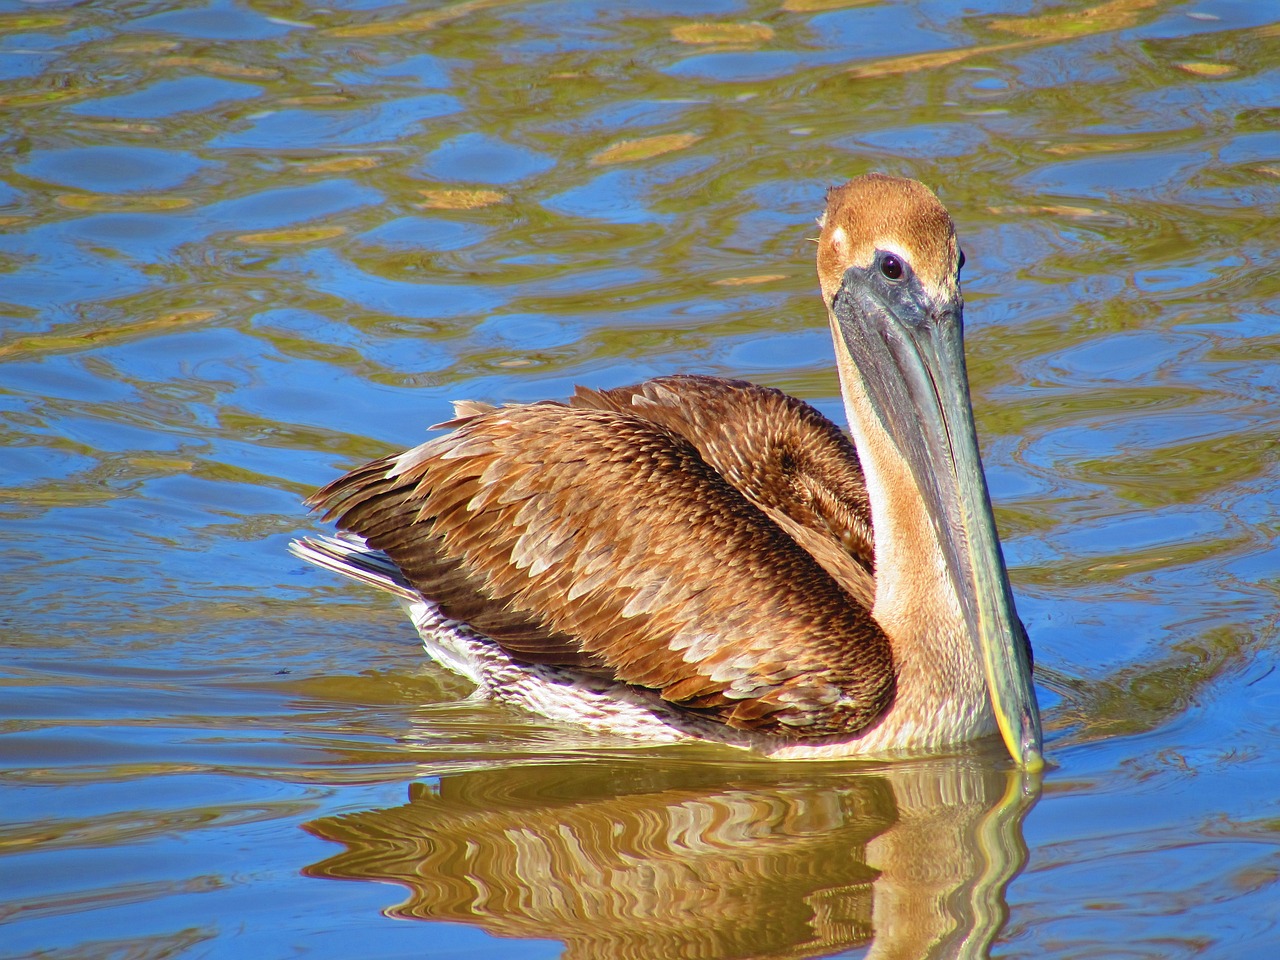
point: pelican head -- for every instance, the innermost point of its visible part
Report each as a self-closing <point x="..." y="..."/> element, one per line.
<point x="888" y="264"/>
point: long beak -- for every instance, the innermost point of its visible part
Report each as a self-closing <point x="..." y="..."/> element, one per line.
<point x="910" y="352"/>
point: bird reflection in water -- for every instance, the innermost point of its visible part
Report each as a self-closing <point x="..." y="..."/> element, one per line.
<point x="620" y="859"/>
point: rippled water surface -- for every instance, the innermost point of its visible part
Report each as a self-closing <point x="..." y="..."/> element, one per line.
<point x="246" y="245"/>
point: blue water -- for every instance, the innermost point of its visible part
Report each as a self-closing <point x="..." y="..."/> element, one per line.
<point x="245" y="247"/>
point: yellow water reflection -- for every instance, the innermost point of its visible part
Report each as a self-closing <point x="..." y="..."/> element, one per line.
<point x="640" y="860"/>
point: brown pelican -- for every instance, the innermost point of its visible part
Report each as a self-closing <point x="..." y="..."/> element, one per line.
<point x="702" y="558"/>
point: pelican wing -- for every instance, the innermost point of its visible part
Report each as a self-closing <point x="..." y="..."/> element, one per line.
<point x="603" y="541"/>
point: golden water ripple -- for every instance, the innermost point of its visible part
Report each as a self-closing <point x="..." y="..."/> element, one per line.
<point x="243" y="247"/>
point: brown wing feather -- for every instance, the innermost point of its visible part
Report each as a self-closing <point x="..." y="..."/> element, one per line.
<point x="779" y="452"/>
<point x="604" y="541"/>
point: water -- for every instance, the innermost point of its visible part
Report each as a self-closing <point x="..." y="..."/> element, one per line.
<point x="246" y="246"/>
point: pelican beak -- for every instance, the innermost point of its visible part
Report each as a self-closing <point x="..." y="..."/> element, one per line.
<point x="908" y="346"/>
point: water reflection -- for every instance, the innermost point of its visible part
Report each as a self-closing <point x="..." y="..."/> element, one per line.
<point x="644" y="859"/>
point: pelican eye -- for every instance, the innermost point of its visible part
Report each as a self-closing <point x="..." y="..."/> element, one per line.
<point x="891" y="267"/>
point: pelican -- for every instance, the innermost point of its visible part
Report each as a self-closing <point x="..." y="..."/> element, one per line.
<point x="700" y="558"/>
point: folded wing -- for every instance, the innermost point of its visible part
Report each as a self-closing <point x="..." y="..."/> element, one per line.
<point x="603" y="540"/>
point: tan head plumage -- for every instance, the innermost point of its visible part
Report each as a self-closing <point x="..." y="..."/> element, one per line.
<point x="903" y="216"/>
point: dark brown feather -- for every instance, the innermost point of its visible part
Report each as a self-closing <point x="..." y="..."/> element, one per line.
<point x="779" y="452"/>
<point x="602" y="540"/>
